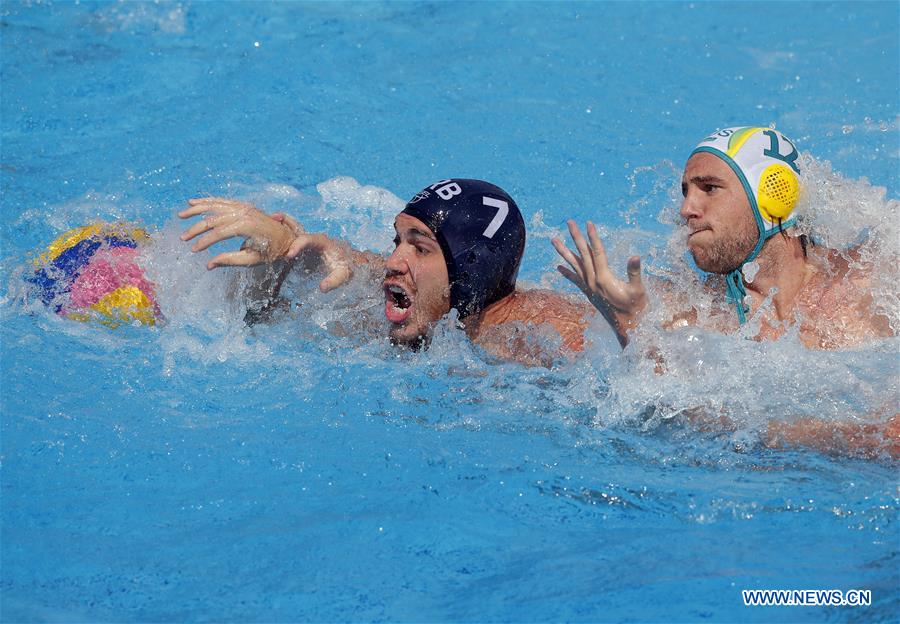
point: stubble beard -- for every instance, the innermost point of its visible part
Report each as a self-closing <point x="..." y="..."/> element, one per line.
<point x="415" y="342"/>
<point x="724" y="255"/>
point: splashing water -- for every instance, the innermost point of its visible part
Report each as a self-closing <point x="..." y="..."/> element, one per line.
<point x="749" y="382"/>
<point x="305" y="469"/>
<point x="746" y="381"/>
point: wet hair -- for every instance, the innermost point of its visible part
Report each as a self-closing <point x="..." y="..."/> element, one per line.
<point x="482" y="235"/>
<point x="806" y="241"/>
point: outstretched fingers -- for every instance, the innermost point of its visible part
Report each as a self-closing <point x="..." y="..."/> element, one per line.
<point x="302" y="242"/>
<point x="207" y="204"/>
<point x="244" y="257"/>
<point x="567" y="255"/>
<point x="215" y="235"/>
<point x="204" y="225"/>
<point x="333" y="257"/>
<point x="573" y="277"/>
<point x="216" y="212"/>
<point x="195" y="207"/>
<point x="338" y="277"/>
<point x="201" y="201"/>
<point x="336" y="261"/>
<point x="634" y="271"/>
<point x="598" y="251"/>
<point x="587" y="257"/>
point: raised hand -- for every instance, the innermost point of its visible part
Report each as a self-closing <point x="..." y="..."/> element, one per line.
<point x="267" y="239"/>
<point x="619" y="302"/>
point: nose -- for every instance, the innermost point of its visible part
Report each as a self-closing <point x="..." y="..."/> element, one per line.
<point x="690" y="206"/>
<point x="396" y="263"/>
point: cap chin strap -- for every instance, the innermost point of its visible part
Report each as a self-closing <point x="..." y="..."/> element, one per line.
<point x="734" y="281"/>
<point x="735" y="292"/>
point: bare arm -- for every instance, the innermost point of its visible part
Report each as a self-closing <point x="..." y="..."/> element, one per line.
<point x="861" y="439"/>
<point x="532" y="327"/>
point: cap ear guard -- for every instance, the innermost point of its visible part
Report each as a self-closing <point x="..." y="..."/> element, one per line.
<point x="777" y="193"/>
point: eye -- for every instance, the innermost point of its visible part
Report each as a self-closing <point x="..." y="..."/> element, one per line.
<point x="684" y="189"/>
<point x="423" y="251"/>
<point x="396" y="241"/>
<point x="709" y="188"/>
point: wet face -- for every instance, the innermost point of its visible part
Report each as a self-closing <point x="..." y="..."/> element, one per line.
<point x="416" y="284"/>
<point x="717" y="211"/>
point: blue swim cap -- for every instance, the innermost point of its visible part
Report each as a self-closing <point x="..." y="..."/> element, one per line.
<point x="482" y="234"/>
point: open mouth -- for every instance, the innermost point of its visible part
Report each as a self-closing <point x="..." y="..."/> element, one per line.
<point x="397" y="303"/>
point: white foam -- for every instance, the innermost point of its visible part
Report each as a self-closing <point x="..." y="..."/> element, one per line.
<point x="845" y="214"/>
<point x="167" y="17"/>
<point x="203" y="311"/>
<point x="364" y="214"/>
<point x="91" y="207"/>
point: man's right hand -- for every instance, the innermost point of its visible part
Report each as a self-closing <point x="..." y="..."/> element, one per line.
<point x="334" y="255"/>
<point x="620" y="303"/>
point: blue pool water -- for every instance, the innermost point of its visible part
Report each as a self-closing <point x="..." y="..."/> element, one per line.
<point x="206" y="471"/>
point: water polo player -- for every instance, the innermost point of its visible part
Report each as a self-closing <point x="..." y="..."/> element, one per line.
<point x="740" y="188"/>
<point x="458" y="245"/>
<point x="93" y="273"/>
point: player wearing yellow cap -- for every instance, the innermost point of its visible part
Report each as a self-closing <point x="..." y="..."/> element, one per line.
<point x="740" y="188"/>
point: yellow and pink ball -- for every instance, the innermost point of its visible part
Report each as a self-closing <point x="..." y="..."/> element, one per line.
<point x="93" y="273"/>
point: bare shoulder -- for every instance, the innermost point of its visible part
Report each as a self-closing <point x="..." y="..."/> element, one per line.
<point x="836" y="306"/>
<point x="569" y="317"/>
<point x="538" y="302"/>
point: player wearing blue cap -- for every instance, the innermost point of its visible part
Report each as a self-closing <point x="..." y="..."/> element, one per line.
<point x="458" y="245"/>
